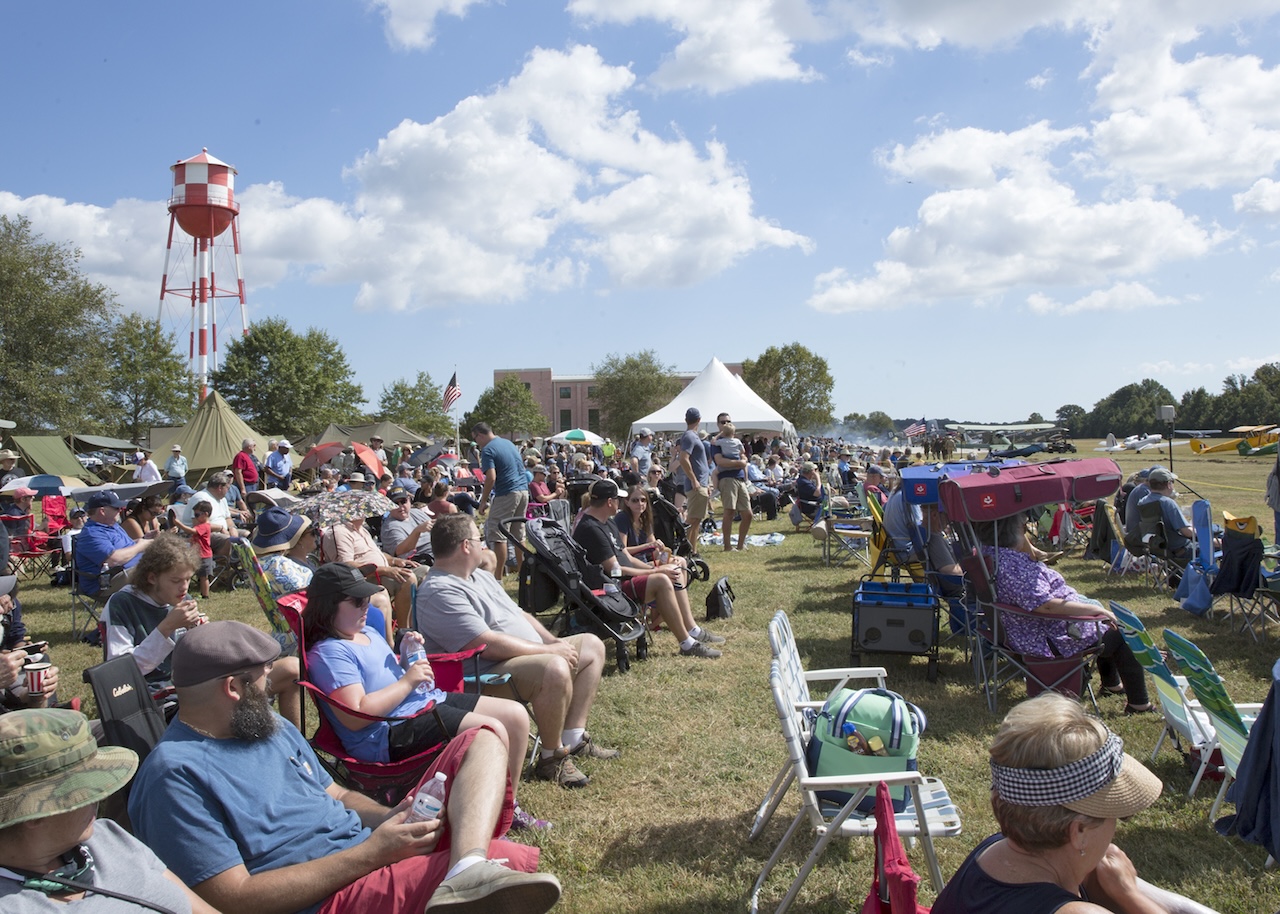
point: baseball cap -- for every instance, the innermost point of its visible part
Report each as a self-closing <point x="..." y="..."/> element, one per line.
<point x="539" y="468"/>
<point x="1161" y="475"/>
<point x="646" y="432"/>
<point x="396" y="493"/>
<point x="23" y="492"/>
<point x="50" y="763"/>
<point x="284" y="442"/>
<point x="344" y="579"/>
<point x="606" y="488"/>
<point x="692" y="415"/>
<point x="107" y="499"/>
<point x="7" y="583"/>
<point x="221" y="648"/>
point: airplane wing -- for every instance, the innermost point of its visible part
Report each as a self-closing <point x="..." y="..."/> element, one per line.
<point x="1015" y="427"/>
<point x="1157" y="444"/>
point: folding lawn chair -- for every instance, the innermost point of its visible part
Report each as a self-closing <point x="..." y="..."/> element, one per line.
<point x="795" y="680"/>
<point x="1239" y="577"/>
<point x="261" y="587"/>
<point x="1122" y="560"/>
<point x="889" y="561"/>
<point x="86" y="604"/>
<point x="842" y="534"/>
<point x="929" y="812"/>
<point x="31" y="551"/>
<point x="1184" y="719"/>
<point x="1161" y="566"/>
<point x="1231" y="722"/>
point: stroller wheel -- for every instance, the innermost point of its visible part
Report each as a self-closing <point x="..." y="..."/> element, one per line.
<point x="699" y="570"/>
<point x="623" y="661"/>
<point x="642" y="647"/>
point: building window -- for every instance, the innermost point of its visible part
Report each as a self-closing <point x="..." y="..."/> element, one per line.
<point x="593" y="420"/>
<point x="566" y="419"/>
<point x="566" y="393"/>
<point x="591" y="393"/>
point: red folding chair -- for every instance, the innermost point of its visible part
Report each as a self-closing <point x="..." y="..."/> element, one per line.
<point x="31" y="551"/>
<point x="386" y="782"/>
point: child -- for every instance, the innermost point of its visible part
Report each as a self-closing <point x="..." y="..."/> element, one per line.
<point x="202" y="538"/>
<point x="177" y="502"/>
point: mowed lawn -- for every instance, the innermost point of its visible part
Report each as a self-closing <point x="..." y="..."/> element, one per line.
<point x="663" y="828"/>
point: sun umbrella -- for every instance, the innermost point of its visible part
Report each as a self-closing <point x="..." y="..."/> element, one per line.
<point x="323" y="453"/>
<point x="330" y="508"/>
<point x="577" y="436"/>
<point x="44" y="484"/>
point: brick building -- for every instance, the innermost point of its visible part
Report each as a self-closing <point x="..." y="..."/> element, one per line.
<point x="569" y="400"/>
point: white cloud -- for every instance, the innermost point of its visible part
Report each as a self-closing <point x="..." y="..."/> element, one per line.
<point x="1262" y="199"/>
<point x="1166" y="368"/>
<point x="859" y="58"/>
<point x="723" y="46"/>
<point x="1040" y="80"/>
<point x="410" y="23"/>
<point x="1247" y="364"/>
<point x="972" y="157"/>
<point x="1123" y="296"/>
<point x="527" y="188"/>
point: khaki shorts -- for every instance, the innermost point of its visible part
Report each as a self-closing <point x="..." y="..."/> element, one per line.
<point x="734" y="495"/>
<point x="696" y="504"/>
<point x="503" y="507"/>
<point x="527" y="672"/>
<point x="393" y="585"/>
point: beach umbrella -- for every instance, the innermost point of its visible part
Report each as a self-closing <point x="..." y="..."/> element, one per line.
<point x="577" y="436"/>
<point x="323" y="453"/>
<point x="330" y="508"/>
<point x="44" y="484"/>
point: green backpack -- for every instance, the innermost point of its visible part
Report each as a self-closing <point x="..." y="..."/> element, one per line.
<point x="874" y="712"/>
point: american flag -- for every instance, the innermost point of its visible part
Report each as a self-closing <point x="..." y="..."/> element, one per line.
<point x="915" y="428"/>
<point x="452" y="392"/>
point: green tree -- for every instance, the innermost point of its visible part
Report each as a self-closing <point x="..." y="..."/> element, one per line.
<point x="628" y="387"/>
<point x="794" y="381"/>
<point x="853" y="421"/>
<point x="151" y="385"/>
<point x="1196" y="409"/>
<point x="1249" y="400"/>
<point x="282" y="382"/>
<point x="879" y="423"/>
<point x="54" y="325"/>
<point x="1131" y="410"/>
<point x="417" y="405"/>
<point x="1071" y="417"/>
<point x="1035" y="417"/>
<point x="509" y="409"/>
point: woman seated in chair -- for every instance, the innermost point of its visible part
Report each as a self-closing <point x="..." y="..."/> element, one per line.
<point x="1060" y="782"/>
<point x="143" y="619"/>
<point x="351" y="663"/>
<point x="635" y="523"/>
<point x="142" y="517"/>
<point x="1031" y="586"/>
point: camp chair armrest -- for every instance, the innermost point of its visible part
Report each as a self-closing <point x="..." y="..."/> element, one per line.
<point x="457" y="655"/>
<point x="846" y="673"/>
<point x="869" y="780"/>
<point x="339" y="706"/>
<point x="808" y="705"/>
<point x="1252" y="708"/>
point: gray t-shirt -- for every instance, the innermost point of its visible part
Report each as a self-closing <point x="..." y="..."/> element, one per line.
<point x="395" y="532"/>
<point x="452" y="612"/>
<point x="691" y="444"/>
<point x="121" y="863"/>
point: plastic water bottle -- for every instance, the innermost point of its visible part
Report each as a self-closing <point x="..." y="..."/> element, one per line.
<point x="411" y="651"/>
<point x="429" y="801"/>
<point x="615" y="577"/>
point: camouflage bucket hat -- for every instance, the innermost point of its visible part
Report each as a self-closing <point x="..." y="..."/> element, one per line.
<point x="50" y="763"/>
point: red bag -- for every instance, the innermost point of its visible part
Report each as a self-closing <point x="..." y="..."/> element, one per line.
<point x="893" y="890"/>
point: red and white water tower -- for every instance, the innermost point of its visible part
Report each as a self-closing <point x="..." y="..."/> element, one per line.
<point x="203" y="205"/>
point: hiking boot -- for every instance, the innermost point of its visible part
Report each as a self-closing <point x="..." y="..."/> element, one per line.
<point x="561" y="770"/>
<point x="487" y="887"/>
<point x="710" y="637"/>
<point x="589" y="749"/>
<point x="699" y="650"/>
<point x="526" y="820"/>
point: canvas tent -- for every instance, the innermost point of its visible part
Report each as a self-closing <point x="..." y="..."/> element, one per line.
<point x="209" y="441"/>
<point x="98" y="442"/>
<point x="718" y="390"/>
<point x="49" y="454"/>
<point x="387" y="431"/>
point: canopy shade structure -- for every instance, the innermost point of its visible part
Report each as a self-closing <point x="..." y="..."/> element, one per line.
<point x="49" y="454"/>
<point x="102" y="443"/>
<point x="718" y="390"/>
<point x="210" y="440"/>
<point x="346" y="434"/>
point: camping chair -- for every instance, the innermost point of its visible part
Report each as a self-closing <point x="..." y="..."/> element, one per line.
<point x="31" y="551"/>
<point x="795" y="680"/>
<point x="54" y="509"/>
<point x="995" y="663"/>
<point x="261" y="587"/>
<point x="386" y="782"/>
<point x="1122" y="560"/>
<point x="889" y="560"/>
<point x="841" y="534"/>
<point x="90" y="605"/>
<point x="1231" y="722"/>
<point x="1184" y="719"/>
<point x="928" y="814"/>
<point x="130" y="717"/>
<point x="1240" y="577"/>
<point x="1161" y="566"/>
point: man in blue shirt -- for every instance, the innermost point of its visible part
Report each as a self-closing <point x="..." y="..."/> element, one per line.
<point x="506" y="479"/>
<point x="1178" y="531"/>
<point x="279" y="468"/>
<point x="695" y="475"/>
<point x="236" y="804"/>
<point x="104" y="542"/>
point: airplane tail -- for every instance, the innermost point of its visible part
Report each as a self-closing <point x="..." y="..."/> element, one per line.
<point x="1198" y="445"/>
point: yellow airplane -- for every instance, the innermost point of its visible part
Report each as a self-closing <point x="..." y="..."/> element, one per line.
<point x="1252" y="435"/>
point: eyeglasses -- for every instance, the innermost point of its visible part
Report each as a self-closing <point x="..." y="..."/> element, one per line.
<point x="357" y="602"/>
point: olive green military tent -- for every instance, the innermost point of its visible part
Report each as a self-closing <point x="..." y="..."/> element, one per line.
<point x="209" y="441"/>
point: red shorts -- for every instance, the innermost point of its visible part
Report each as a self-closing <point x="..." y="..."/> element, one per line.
<point x="634" y="587"/>
<point x="407" y="886"/>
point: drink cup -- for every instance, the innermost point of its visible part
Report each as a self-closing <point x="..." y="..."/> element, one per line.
<point x="36" y="673"/>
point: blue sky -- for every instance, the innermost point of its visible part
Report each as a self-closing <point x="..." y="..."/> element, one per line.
<point x="972" y="209"/>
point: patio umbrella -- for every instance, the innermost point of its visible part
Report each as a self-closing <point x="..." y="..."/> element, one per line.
<point x="323" y="453"/>
<point x="425" y="454"/>
<point x="44" y="484"/>
<point x="330" y="508"/>
<point x="577" y="436"/>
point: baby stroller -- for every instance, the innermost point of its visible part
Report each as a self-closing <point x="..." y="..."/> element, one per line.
<point x="670" y="527"/>
<point x="555" y="566"/>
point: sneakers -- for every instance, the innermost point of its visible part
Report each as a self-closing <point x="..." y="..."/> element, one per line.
<point x="561" y="770"/>
<point x="589" y="749"/>
<point x="710" y="637"/>
<point x="524" y="820"/>
<point x="699" y="650"/>
<point x="487" y="888"/>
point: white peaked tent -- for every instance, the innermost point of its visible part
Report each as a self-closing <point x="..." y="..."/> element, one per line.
<point x="718" y="390"/>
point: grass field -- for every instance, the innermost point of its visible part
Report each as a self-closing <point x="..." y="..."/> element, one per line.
<point x="663" y="829"/>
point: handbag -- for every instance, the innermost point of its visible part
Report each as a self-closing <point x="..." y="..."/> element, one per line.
<point x="720" y="600"/>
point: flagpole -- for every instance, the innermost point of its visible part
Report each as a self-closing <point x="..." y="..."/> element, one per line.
<point x="457" y="436"/>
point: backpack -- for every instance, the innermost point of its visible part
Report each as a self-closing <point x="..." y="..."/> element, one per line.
<point x="875" y="712"/>
<point x="720" y="600"/>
